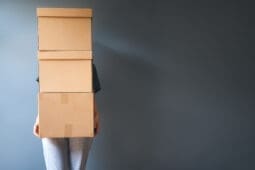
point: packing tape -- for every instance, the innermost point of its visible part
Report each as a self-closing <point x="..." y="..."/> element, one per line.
<point x="64" y="98"/>
<point x="68" y="130"/>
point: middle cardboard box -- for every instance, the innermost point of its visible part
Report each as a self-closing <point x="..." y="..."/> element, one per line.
<point x="65" y="71"/>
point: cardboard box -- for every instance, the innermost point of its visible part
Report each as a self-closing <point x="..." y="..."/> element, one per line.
<point x="66" y="114"/>
<point x="68" y="55"/>
<point x="64" y="12"/>
<point x="64" y="29"/>
<point x="65" y="71"/>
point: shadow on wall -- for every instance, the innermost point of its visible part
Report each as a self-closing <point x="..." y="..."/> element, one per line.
<point x="129" y="106"/>
<point x="187" y="119"/>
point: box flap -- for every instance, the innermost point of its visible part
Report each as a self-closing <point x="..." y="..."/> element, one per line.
<point x="64" y="12"/>
<point x="64" y="55"/>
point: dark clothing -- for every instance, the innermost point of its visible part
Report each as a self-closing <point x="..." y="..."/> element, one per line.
<point x="96" y="82"/>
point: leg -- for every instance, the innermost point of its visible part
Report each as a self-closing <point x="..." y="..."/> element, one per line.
<point x="79" y="150"/>
<point x="55" y="151"/>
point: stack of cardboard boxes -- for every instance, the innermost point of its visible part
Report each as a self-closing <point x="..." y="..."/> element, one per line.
<point x="65" y="99"/>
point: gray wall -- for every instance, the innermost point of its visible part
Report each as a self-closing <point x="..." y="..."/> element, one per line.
<point x="177" y="78"/>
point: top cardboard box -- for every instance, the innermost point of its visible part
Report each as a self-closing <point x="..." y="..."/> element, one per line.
<point x="64" y="29"/>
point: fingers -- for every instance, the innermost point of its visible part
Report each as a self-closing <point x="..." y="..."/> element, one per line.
<point x="36" y="130"/>
<point x="96" y="129"/>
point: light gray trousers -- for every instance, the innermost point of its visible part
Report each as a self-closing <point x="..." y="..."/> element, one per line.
<point x="66" y="153"/>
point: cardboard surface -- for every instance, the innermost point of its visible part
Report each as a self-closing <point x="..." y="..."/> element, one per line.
<point x="64" y="55"/>
<point x="65" y="75"/>
<point x="66" y="114"/>
<point x="64" y="12"/>
<point x="64" y="33"/>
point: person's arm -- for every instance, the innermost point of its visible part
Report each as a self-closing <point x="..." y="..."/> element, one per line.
<point x="96" y="89"/>
<point x="95" y="79"/>
<point x="36" y="127"/>
<point x="96" y="119"/>
<point x="36" y="124"/>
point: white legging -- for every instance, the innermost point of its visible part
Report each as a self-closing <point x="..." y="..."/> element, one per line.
<point x="66" y="153"/>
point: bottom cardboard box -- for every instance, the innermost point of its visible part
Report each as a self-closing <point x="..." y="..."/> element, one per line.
<point x="66" y="114"/>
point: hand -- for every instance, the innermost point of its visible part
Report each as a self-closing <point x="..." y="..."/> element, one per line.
<point x="36" y="128"/>
<point x="96" y="123"/>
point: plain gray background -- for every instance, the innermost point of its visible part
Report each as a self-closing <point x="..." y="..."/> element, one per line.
<point x="177" y="84"/>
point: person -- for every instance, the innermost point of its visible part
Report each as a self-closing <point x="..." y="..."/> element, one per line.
<point x="69" y="153"/>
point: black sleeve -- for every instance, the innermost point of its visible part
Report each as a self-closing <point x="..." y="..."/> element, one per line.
<point x="96" y="82"/>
